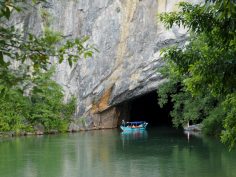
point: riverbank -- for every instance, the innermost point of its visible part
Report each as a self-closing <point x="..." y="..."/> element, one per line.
<point x="51" y="132"/>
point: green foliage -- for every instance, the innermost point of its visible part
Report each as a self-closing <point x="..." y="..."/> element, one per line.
<point x="14" y="111"/>
<point x="213" y="125"/>
<point x="44" y="105"/>
<point x="46" y="17"/>
<point x="24" y="48"/>
<point x="28" y="95"/>
<point x="205" y="68"/>
<point x="229" y="133"/>
<point x="47" y="104"/>
<point x="46" y="100"/>
<point x="69" y="108"/>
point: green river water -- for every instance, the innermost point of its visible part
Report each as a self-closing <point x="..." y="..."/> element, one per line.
<point x="157" y="152"/>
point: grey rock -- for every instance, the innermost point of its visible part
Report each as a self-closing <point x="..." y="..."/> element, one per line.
<point x="53" y="132"/>
<point x="39" y="129"/>
<point x="129" y="40"/>
<point x="39" y="132"/>
<point x="73" y="127"/>
<point x="30" y="133"/>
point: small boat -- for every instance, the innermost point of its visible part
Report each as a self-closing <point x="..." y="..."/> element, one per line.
<point x="193" y="128"/>
<point x="133" y="126"/>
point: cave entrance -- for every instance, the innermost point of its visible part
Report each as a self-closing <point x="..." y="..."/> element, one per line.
<point x="146" y="108"/>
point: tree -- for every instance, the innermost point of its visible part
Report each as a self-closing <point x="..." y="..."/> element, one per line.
<point x="44" y="104"/>
<point x="31" y="51"/>
<point x="205" y="67"/>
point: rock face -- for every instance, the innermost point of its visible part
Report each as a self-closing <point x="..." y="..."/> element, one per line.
<point x="129" y="39"/>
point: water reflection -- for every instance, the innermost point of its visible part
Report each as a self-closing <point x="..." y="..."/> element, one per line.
<point x="190" y="134"/>
<point x="134" y="135"/>
<point x="128" y="137"/>
<point x="156" y="153"/>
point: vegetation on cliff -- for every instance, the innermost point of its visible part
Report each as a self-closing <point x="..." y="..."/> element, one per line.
<point x="28" y="94"/>
<point x="44" y="106"/>
<point x="202" y="82"/>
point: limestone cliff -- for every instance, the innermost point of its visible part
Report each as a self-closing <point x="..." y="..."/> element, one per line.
<point x="129" y="39"/>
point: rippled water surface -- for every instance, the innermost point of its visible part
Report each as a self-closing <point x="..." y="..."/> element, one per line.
<point x="109" y="153"/>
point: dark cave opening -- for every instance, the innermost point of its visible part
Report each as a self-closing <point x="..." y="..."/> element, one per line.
<point x="146" y="108"/>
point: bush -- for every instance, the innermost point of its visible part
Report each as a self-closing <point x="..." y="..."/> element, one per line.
<point x="48" y="107"/>
<point x="44" y="105"/>
<point x="213" y="124"/>
<point x="14" y="111"/>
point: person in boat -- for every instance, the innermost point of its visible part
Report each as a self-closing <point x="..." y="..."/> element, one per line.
<point x="123" y="122"/>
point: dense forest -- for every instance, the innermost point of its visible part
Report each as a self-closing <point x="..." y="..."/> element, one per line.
<point x="202" y="82"/>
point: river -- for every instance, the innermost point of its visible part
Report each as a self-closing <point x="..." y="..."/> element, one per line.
<point x="157" y="152"/>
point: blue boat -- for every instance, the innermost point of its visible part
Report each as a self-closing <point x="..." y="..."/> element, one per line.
<point x="133" y="126"/>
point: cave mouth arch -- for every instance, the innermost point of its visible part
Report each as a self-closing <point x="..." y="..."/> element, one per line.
<point x="146" y="108"/>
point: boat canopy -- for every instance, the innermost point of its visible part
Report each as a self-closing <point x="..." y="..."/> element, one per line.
<point x="137" y="122"/>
